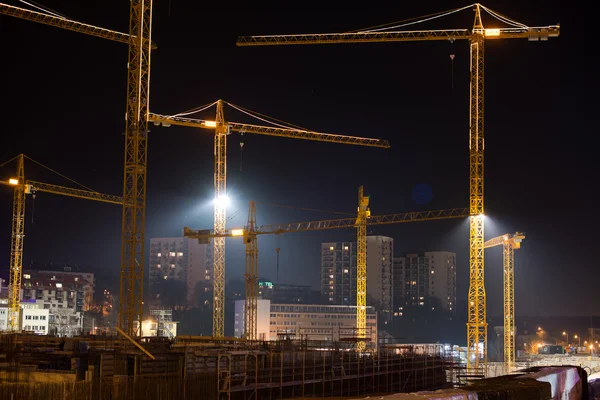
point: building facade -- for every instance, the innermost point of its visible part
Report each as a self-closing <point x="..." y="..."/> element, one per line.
<point x="32" y="318"/>
<point x="64" y="292"/>
<point x="425" y="280"/>
<point x="338" y="272"/>
<point x="181" y="259"/>
<point x="327" y="323"/>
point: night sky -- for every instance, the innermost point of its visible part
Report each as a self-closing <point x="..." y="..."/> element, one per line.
<point x="63" y="104"/>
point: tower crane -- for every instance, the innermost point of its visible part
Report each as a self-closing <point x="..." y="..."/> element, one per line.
<point x="136" y="149"/>
<point x="221" y="129"/>
<point x="251" y="232"/>
<point x="22" y="188"/>
<point x="509" y="242"/>
<point x="476" y="36"/>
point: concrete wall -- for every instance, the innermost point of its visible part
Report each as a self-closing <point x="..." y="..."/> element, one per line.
<point x="544" y="383"/>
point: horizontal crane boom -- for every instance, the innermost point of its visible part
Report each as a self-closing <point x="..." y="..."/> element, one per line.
<point x="531" y="33"/>
<point x="64" y="23"/>
<point x="270" y="131"/>
<point x="337" y="223"/>
<point x="33" y="186"/>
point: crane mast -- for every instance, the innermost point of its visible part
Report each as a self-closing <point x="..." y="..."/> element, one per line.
<point x="509" y="243"/>
<point x="476" y="325"/>
<point x="361" y="268"/>
<point x="16" y="247"/>
<point x="134" y="175"/>
<point x="251" y="302"/>
<point x="477" y="318"/>
<point x="220" y="183"/>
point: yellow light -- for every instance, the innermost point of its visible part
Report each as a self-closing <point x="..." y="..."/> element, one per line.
<point x="210" y="124"/>
<point x="237" y="232"/>
<point x="492" y="32"/>
<point x="13" y="181"/>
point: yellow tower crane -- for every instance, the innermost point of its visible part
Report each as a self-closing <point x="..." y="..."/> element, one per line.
<point x="136" y="144"/>
<point x="252" y="230"/>
<point x="509" y="243"/>
<point x="476" y="325"/>
<point x="22" y="188"/>
<point x="222" y="128"/>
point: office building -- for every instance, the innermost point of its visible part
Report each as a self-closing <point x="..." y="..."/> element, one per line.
<point x="181" y="259"/>
<point x="338" y="272"/>
<point x="326" y="323"/>
<point x="425" y="280"/>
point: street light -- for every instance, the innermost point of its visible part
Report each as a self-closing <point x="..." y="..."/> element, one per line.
<point x="566" y="334"/>
<point x="578" y="340"/>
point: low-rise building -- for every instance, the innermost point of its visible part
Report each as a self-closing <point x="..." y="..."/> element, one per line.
<point x="32" y="317"/>
<point x="326" y="323"/>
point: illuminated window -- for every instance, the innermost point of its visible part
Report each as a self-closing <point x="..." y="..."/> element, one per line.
<point x="172" y="265"/>
<point x="345" y="271"/>
<point x="207" y="277"/>
<point x="157" y="265"/>
<point x="172" y="254"/>
<point x="345" y="247"/>
<point x="331" y="276"/>
<point x="159" y="255"/>
<point x="432" y="272"/>
<point x="76" y="279"/>
<point x="330" y="247"/>
<point x="180" y="254"/>
<point x="165" y="277"/>
<point x="26" y="276"/>
<point x="59" y="285"/>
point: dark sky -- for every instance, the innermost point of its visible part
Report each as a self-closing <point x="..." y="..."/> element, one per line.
<point x="63" y="104"/>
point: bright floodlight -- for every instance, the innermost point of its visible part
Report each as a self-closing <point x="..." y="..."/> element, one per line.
<point x="221" y="201"/>
<point x="210" y="124"/>
<point x="237" y="232"/>
<point x="492" y="32"/>
<point x="13" y="181"/>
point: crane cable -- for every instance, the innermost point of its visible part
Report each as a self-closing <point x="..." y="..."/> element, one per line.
<point x="44" y="9"/>
<point x="411" y="21"/>
<point x="503" y="18"/>
<point x="194" y="110"/>
<point x="250" y="113"/>
<point x="6" y="162"/>
<point x="59" y="174"/>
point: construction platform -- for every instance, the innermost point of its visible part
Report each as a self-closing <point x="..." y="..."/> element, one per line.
<point x="109" y="367"/>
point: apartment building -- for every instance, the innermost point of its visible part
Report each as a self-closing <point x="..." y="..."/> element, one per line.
<point x="184" y="260"/>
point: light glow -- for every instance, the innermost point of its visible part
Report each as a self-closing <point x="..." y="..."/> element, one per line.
<point x="210" y="124"/>
<point x="237" y="232"/>
<point x="13" y="181"/>
<point x="492" y="32"/>
<point x="221" y="201"/>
